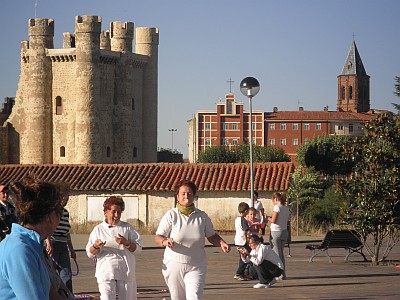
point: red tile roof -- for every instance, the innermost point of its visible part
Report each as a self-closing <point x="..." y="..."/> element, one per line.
<point x="157" y="176"/>
<point x="317" y="116"/>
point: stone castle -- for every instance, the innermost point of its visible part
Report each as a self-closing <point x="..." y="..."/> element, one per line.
<point x="93" y="101"/>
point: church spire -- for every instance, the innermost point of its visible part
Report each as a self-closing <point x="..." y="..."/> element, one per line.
<point x="353" y="64"/>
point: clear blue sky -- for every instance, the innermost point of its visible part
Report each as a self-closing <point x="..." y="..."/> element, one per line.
<point x="295" y="48"/>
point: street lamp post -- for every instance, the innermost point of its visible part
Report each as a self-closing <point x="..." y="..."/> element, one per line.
<point x="172" y="133"/>
<point x="249" y="88"/>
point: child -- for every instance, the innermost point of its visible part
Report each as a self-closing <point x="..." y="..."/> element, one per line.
<point x="242" y="229"/>
<point x="253" y="221"/>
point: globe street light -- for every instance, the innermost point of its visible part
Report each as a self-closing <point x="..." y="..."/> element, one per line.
<point x="172" y="132"/>
<point x="250" y="87"/>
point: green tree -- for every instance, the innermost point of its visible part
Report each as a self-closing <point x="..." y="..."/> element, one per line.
<point x="372" y="194"/>
<point x="217" y="154"/>
<point x="326" y="154"/>
<point x="241" y="153"/>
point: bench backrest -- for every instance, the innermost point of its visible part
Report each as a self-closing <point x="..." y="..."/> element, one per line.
<point x="343" y="239"/>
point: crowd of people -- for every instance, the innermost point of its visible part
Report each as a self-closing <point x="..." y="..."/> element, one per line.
<point x="36" y="244"/>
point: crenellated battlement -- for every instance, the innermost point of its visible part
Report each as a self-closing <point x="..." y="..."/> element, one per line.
<point x="41" y="27"/>
<point x="105" y="42"/>
<point x="122" y="30"/>
<point x="87" y="24"/>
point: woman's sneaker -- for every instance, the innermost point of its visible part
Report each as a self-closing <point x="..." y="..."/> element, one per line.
<point x="272" y="282"/>
<point x="261" y="286"/>
<point x="242" y="278"/>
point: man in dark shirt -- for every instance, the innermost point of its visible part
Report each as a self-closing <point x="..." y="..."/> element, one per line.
<point x="7" y="213"/>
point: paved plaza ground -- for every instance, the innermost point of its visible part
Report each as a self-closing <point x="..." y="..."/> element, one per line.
<point x="354" y="279"/>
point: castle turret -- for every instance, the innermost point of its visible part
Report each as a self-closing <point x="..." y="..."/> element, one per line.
<point x="87" y="129"/>
<point x="105" y="42"/>
<point x="121" y="41"/>
<point x="121" y="36"/>
<point x="147" y="41"/>
<point x="38" y="136"/>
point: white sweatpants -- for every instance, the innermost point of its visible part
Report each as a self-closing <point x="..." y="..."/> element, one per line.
<point x="184" y="281"/>
<point x="126" y="290"/>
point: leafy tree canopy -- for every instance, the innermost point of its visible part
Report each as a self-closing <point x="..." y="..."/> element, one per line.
<point x="326" y="154"/>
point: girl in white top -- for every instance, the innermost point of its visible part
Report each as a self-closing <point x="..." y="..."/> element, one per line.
<point x="266" y="263"/>
<point x="279" y="220"/>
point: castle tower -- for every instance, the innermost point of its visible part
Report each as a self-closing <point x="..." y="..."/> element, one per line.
<point x="38" y="135"/>
<point x="88" y="134"/>
<point x="121" y="41"/>
<point x="147" y="41"/>
<point x="353" y="84"/>
<point x="105" y="42"/>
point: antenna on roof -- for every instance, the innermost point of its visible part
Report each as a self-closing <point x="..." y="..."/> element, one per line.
<point x="36" y="3"/>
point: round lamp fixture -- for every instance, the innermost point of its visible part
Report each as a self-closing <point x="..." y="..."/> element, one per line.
<point x="249" y="87"/>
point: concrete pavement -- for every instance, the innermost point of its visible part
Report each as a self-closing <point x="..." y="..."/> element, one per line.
<point x="354" y="279"/>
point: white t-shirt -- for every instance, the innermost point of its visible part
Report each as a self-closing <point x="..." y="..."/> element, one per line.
<point x="189" y="233"/>
<point x="283" y="218"/>
<point x="264" y="252"/>
<point x="114" y="261"/>
<point x="241" y="229"/>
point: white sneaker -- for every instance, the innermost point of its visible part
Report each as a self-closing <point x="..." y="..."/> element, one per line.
<point x="261" y="286"/>
<point x="272" y="282"/>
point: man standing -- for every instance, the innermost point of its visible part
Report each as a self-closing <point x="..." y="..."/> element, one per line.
<point x="7" y="213"/>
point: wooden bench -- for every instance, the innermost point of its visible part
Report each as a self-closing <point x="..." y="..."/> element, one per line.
<point x="346" y="239"/>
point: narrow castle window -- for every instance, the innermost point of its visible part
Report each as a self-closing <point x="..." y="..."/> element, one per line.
<point x="342" y="92"/>
<point x="62" y="151"/>
<point x="108" y="152"/>
<point x="133" y="103"/>
<point x="134" y="152"/>
<point x="59" y="108"/>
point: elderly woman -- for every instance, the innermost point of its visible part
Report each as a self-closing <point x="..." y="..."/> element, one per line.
<point x="114" y="244"/>
<point x="266" y="263"/>
<point x="182" y="231"/>
<point x="23" y="275"/>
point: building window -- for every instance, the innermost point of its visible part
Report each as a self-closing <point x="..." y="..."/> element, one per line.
<point x="272" y="126"/>
<point x="295" y="142"/>
<point x="108" y="151"/>
<point x="134" y="152"/>
<point x="340" y="127"/>
<point x="272" y="141"/>
<point x="234" y="126"/>
<point x="306" y="126"/>
<point x="253" y="126"/>
<point x="295" y="126"/>
<point x="59" y="108"/>
<point x="351" y="128"/>
<point x="235" y="142"/>
<point x="318" y="126"/>
<point x="207" y="142"/>
<point x="62" y="151"/>
<point x="342" y="92"/>
<point x="305" y="140"/>
<point x="350" y="92"/>
<point x="283" y="142"/>
<point x="225" y="142"/>
<point x="207" y="126"/>
<point x="225" y="126"/>
<point x="283" y="126"/>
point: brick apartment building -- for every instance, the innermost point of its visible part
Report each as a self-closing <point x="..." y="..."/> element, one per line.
<point x="229" y="125"/>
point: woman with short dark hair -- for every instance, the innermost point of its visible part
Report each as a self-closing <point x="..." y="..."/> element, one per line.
<point x="266" y="263"/>
<point x="114" y="244"/>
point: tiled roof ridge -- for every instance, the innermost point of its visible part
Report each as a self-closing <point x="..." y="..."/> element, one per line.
<point x="156" y="176"/>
